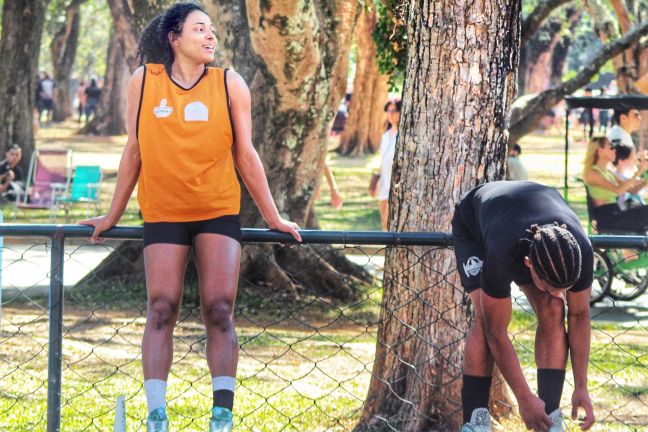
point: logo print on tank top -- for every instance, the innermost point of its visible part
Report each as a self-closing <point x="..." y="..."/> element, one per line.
<point x="196" y="111"/>
<point x="162" y="111"/>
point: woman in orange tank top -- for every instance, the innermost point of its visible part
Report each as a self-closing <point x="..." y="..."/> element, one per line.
<point x="189" y="127"/>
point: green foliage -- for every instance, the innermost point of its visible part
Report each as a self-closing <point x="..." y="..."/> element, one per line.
<point x="390" y="36"/>
<point x="96" y="24"/>
<point x="94" y="34"/>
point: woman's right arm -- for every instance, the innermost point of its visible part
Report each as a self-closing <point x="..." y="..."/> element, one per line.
<point x="595" y="178"/>
<point x="129" y="166"/>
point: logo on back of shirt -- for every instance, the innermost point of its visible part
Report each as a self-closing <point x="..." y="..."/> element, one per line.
<point x="472" y="266"/>
<point x="162" y="111"/>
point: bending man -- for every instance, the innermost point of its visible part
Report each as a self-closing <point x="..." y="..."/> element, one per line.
<point x="525" y="233"/>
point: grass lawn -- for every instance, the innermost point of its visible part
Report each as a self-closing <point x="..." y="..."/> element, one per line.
<point x="304" y="366"/>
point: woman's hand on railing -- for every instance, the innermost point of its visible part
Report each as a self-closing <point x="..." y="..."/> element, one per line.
<point x="100" y="224"/>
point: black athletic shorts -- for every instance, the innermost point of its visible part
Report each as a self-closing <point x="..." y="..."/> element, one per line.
<point x="183" y="233"/>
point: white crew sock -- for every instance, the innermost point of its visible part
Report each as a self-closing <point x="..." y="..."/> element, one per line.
<point x="155" y="394"/>
<point x="223" y="383"/>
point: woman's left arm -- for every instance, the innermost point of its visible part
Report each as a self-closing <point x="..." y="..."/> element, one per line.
<point x="247" y="159"/>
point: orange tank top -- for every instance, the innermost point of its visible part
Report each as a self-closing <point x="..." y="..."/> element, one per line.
<point x="185" y="139"/>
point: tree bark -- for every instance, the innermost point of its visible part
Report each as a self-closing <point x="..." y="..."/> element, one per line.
<point x="365" y="124"/>
<point x="526" y="119"/>
<point x="129" y="21"/>
<point x="19" y="50"/>
<point x="452" y="138"/>
<point x="63" y="50"/>
<point x="110" y="118"/>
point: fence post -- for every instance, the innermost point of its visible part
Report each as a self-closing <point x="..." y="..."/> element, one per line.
<point x="55" y="354"/>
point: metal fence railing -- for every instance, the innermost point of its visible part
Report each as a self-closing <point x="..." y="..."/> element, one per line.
<point x="306" y="357"/>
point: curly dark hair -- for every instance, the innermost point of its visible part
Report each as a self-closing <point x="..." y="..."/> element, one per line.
<point x="154" y="46"/>
<point x="555" y="255"/>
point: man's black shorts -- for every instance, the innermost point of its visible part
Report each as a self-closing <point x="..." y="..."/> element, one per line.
<point x="183" y="233"/>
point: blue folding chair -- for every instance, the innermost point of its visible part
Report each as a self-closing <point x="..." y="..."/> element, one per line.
<point x="85" y="188"/>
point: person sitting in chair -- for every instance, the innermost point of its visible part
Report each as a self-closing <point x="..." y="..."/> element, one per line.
<point x="11" y="175"/>
<point x="604" y="187"/>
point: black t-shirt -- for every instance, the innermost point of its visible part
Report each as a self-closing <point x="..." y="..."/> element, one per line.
<point x="4" y="168"/>
<point x="93" y="93"/>
<point x="500" y="214"/>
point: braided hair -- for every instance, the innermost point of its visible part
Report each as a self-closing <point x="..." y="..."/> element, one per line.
<point x="154" y="45"/>
<point x="555" y="255"/>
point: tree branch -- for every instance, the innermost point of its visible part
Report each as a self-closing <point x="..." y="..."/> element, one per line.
<point x="532" y="23"/>
<point x="526" y="119"/>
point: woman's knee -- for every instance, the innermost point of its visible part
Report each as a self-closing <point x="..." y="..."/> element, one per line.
<point x="218" y="314"/>
<point x="163" y="313"/>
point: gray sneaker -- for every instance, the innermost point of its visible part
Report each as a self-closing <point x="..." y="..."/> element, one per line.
<point x="479" y="421"/>
<point x="221" y="420"/>
<point x="157" y="421"/>
<point x="556" y="418"/>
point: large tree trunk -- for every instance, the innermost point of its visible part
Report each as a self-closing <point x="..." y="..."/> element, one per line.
<point x="110" y="118"/>
<point x="365" y="123"/>
<point x="63" y="49"/>
<point x="452" y="138"/>
<point x="526" y="119"/>
<point x="22" y="26"/>
<point x="295" y="60"/>
<point x="294" y="56"/>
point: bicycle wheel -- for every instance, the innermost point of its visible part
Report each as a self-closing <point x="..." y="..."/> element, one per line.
<point x="629" y="283"/>
<point x="602" y="277"/>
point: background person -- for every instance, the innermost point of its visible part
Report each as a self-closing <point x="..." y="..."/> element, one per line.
<point x="604" y="188"/>
<point x="46" y="97"/>
<point x="12" y="179"/>
<point x="189" y="201"/>
<point x="626" y="167"/>
<point x="515" y="169"/>
<point x="93" y="95"/>
<point x="82" y="98"/>
<point x="626" y="122"/>
<point x="525" y="233"/>
<point x="387" y="150"/>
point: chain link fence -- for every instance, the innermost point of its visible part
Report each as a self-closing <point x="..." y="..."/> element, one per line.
<point x="306" y="359"/>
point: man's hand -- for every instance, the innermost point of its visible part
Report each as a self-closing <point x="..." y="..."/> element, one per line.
<point x="532" y="410"/>
<point x="581" y="399"/>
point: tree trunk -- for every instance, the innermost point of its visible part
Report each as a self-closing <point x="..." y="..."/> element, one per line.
<point x="129" y="21"/>
<point x="110" y="118"/>
<point x="452" y="138"/>
<point x="526" y="119"/>
<point x="295" y="60"/>
<point x="365" y="124"/>
<point x="22" y="26"/>
<point x="63" y="49"/>
<point x="538" y="54"/>
<point x="294" y="57"/>
<point x="562" y="48"/>
<point x="607" y="28"/>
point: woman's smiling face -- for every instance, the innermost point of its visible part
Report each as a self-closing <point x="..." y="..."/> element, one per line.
<point x="197" y="40"/>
